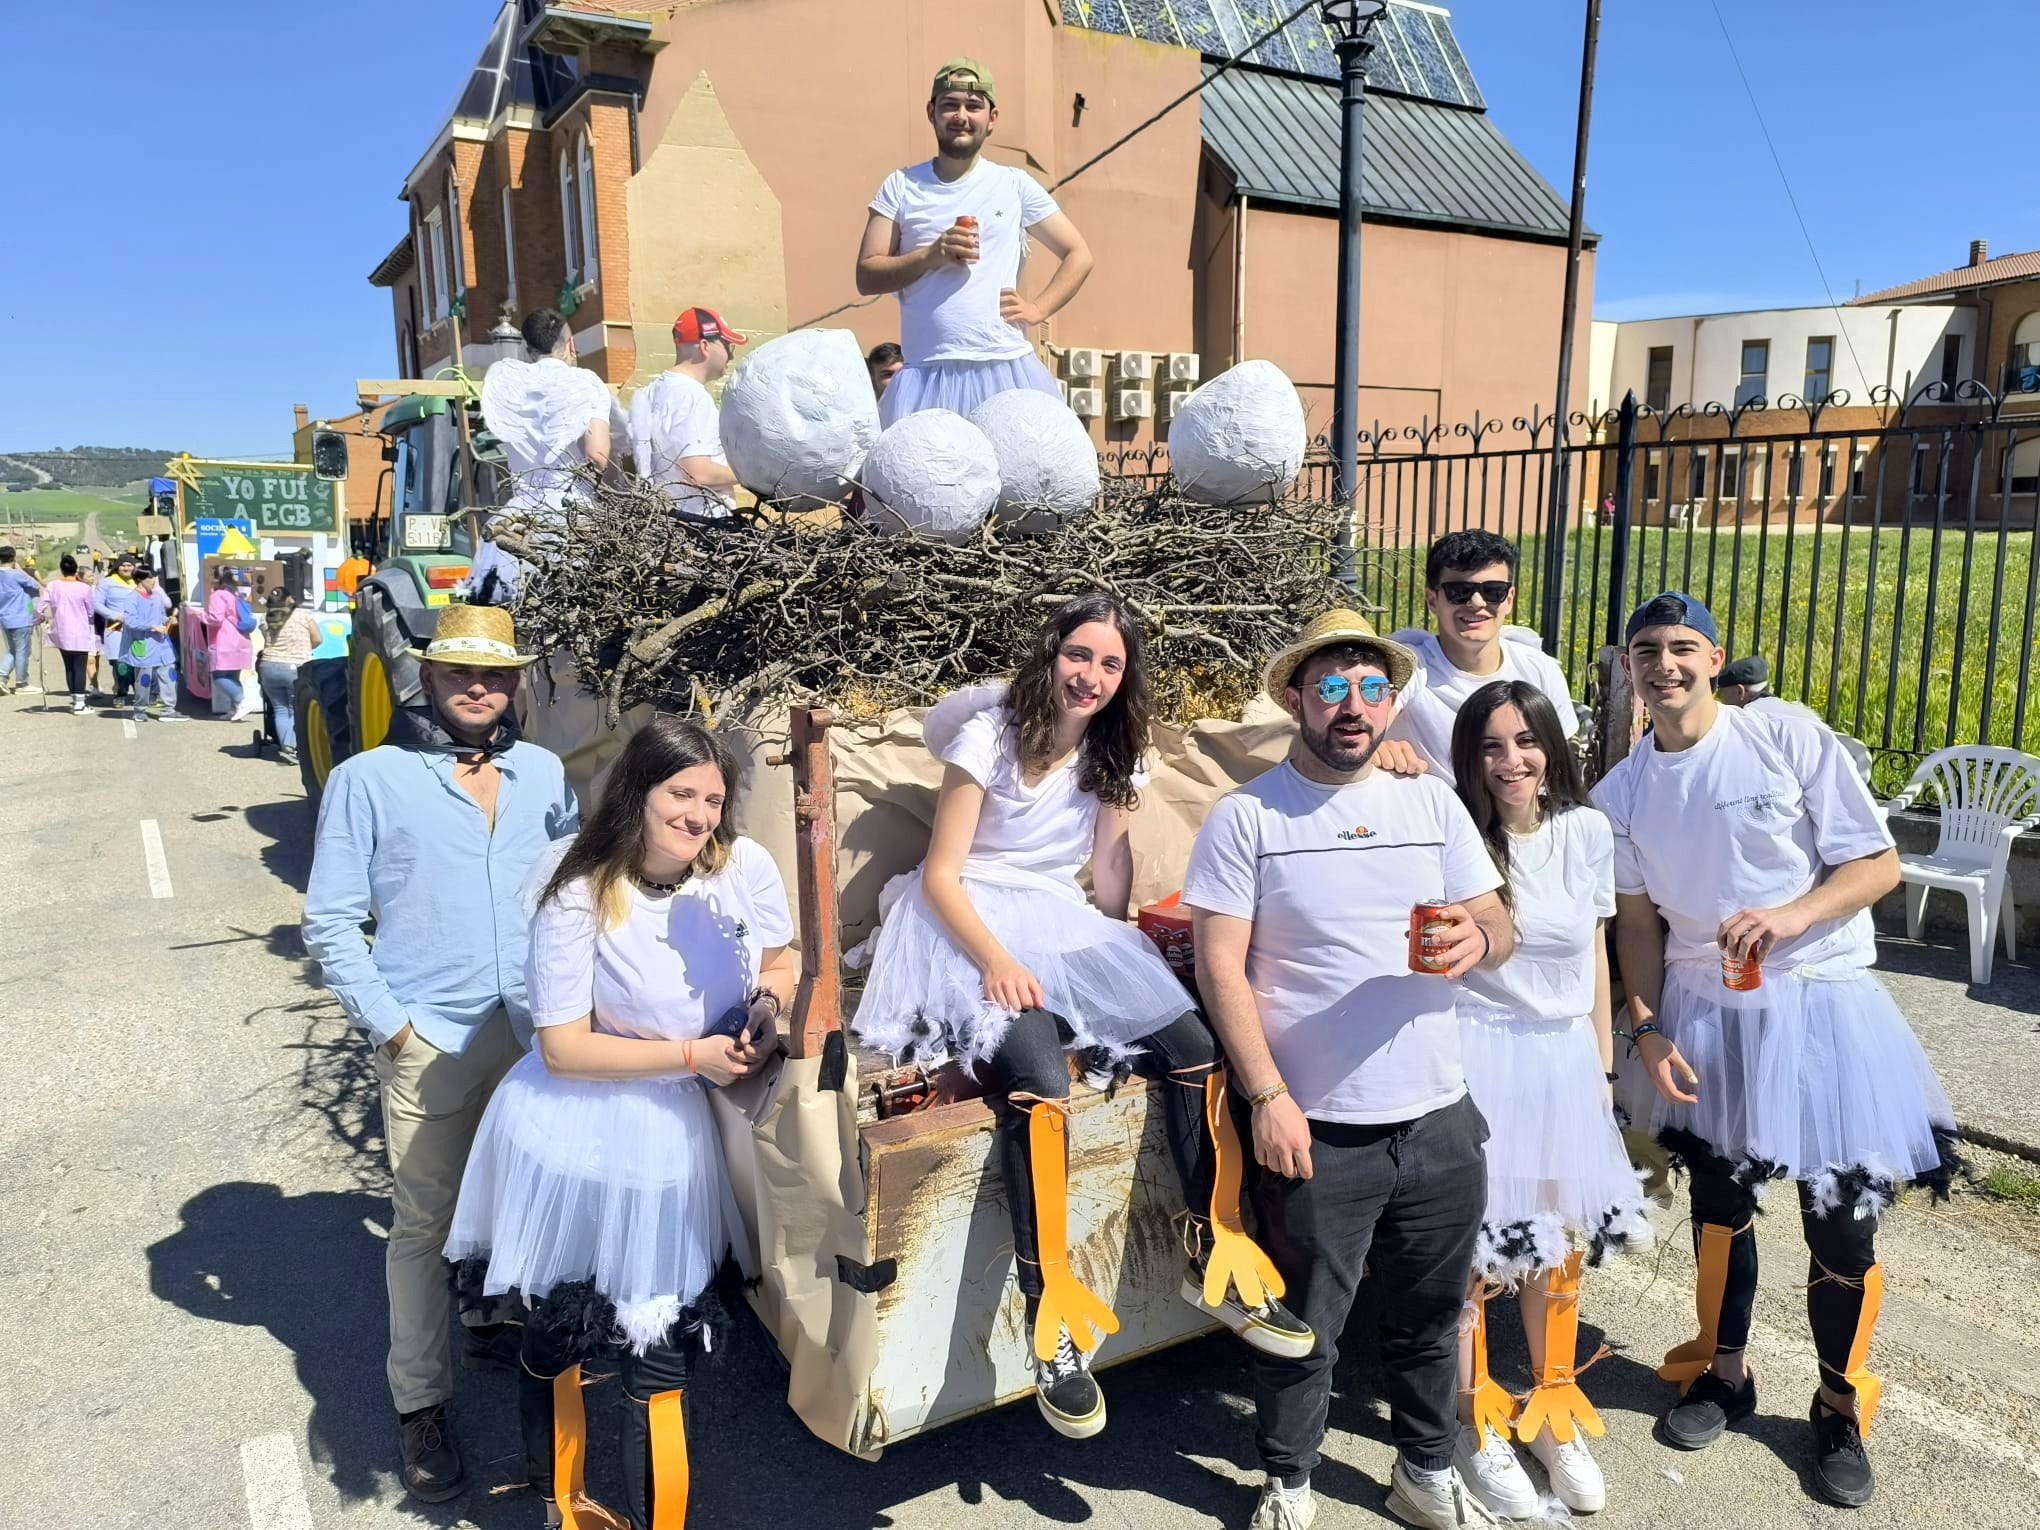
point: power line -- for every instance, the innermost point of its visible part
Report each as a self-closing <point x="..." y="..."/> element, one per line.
<point x="1805" y="233"/>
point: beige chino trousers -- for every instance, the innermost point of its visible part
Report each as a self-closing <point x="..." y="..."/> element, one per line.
<point x="432" y="1101"/>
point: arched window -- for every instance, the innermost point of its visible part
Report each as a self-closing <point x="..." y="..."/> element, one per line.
<point x="590" y="258"/>
<point x="2026" y="344"/>
<point x="570" y="219"/>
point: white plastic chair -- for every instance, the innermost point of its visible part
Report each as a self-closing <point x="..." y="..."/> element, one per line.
<point x="1858" y="753"/>
<point x="1988" y="798"/>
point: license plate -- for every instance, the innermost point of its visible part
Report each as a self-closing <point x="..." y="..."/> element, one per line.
<point x="424" y="533"/>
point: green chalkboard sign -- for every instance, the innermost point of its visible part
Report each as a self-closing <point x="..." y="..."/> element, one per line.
<point x="280" y="501"/>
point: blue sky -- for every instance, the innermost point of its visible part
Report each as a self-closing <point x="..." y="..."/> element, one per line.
<point x="190" y="232"/>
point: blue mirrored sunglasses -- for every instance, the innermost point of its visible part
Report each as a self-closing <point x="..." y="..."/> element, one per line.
<point x="1334" y="689"/>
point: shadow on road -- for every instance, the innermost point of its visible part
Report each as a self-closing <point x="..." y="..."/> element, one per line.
<point x="287" y="824"/>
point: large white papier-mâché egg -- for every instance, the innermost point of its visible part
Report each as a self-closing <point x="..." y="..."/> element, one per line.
<point x="798" y="417"/>
<point x="1048" y="468"/>
<point x="932" y="472"/>
<point x="1239" y="439"/>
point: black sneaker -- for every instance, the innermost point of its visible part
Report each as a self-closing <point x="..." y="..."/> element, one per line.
<point x="1709" y="1406"/>
<point x="1268" y="1326"/>
<point x="431" y="1462"/>
<point x="1064" y="1391"/>
<point x="1841" y="1467"/>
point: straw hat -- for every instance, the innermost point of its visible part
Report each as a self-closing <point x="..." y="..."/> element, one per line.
<point x="1332" y="628"/>
<point x="478" y="635"/>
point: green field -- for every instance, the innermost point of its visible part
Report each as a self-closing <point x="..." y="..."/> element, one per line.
<point x="1904" y="700"/>
<point x="117" y="510"/>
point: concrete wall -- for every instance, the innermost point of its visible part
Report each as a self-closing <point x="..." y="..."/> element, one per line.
<point x="1450" y="324"/>
<point x="1882" y="345"/>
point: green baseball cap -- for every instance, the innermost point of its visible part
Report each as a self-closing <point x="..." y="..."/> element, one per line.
<point x="963" y="74"/>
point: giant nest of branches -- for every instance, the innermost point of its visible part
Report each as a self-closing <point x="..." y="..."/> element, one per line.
<point x="719" y="617"/>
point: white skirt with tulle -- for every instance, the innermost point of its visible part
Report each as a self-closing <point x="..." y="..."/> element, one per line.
<point x="620" y="1182"/>
<point x="924" y="1002"/>
<point x="1811" y="1076"/>
<point x="1558" y="1178"/>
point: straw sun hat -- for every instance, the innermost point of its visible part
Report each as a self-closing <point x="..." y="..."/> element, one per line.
<point x="1332" y="628"/>
<point x="477" y="635"/>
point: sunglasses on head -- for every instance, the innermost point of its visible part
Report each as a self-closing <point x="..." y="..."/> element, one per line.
<point x="1334" y="689"/>
<point x="1460" y="591"/>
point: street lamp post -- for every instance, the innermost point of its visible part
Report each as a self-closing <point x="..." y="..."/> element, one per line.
<point x="1349" y="22"/>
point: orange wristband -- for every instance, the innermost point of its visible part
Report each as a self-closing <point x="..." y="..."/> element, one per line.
<point x="687" y="1055"/>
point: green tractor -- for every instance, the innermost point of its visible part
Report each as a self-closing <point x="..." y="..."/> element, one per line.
<point x="443" y="472"/>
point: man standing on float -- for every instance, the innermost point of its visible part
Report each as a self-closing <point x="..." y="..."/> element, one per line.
<point x="949" y="235"/>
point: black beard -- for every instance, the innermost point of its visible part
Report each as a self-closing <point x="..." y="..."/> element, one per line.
<point x="1337" y="756"/>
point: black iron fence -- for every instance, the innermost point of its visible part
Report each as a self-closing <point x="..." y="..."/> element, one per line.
<point x="1879" y="557"/>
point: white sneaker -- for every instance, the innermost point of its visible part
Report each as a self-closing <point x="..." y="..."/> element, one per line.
<point x="1443" y="1505"/>
<point x="1575" y="1474"/>
<point x="77" y="703"/>
<point x="1278" y="1510"/>
<point x="28" y="690"/>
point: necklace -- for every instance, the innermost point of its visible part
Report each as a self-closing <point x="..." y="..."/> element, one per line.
<point x="658" y="889"/>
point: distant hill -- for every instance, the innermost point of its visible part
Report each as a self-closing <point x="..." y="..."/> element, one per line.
<point x="81" y="467"/>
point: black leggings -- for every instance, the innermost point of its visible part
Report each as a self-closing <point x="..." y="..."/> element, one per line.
<point x="1841" y="1245"/>
<point x="547" y="1352"/>
<point x="1031" y="1062"/>
<point x="74" y="671"/>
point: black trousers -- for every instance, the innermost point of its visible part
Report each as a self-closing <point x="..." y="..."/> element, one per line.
<point x="1402" y="1202"/>
<point x="547" y="1353"/>
<point x="74" y="671"/>
<point x="1031" y="1061"/>
<point x="1840" y="1243"/>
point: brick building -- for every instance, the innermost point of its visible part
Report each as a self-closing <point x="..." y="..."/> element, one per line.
<point x="624" y="163"/>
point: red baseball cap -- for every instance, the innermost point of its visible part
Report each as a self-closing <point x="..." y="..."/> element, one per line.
<point x="697" y="326"/>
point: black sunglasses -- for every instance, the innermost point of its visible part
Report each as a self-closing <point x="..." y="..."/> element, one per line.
<point x="1460" y="591"/>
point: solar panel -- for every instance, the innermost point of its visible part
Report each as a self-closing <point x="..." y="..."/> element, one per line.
<point x="1415" y="51"/>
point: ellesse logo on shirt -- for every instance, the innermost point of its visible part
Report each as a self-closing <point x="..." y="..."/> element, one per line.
<point x="1358" y="831"/>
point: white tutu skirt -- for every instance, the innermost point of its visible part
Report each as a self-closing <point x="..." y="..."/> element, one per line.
<point x="1558" y="1178"/>
<point x="1814" y="1078"/>
<point x="924" y="1002"/>
<point x="959" y="385"/>
<point x="618" y="1182"/>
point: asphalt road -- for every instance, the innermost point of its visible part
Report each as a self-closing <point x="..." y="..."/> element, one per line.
<point x="192" y="1208"/>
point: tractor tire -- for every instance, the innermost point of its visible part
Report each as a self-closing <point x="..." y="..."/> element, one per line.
<point x="383" y="682"/>
<point x="323" y="733"/>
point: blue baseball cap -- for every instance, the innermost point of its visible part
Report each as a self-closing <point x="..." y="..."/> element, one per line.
<point x="1672" y="609"/>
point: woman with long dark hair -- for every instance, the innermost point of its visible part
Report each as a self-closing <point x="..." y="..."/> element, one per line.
<point x="991" y="956"/>
<point x="1539" y="1057"/>
<point x="597" y="1191"/>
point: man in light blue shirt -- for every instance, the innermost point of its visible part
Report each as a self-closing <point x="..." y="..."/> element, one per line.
<point x="434" y="840"/>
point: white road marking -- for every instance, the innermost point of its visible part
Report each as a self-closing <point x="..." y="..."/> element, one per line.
<point x="127" y="727"/>
<point x="275" y="1487"/>
<point x="159" y="865"/>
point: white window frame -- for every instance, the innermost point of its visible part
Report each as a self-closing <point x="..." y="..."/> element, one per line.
<point x="584" y="175"/>
<point x="1728" y="473"/>
<point x="570" y="226"/>
<point x="509" y="253"/>
<point x="438" y="296"/>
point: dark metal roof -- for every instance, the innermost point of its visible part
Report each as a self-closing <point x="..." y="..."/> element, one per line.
<point x="1415" y="52"/>
<point x="1278" y="136"/>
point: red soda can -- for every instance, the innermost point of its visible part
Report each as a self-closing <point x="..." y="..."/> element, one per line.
<point x="1740" y="975"/>
<point x="965" y="220"/>
<point x="1430" y="934"/>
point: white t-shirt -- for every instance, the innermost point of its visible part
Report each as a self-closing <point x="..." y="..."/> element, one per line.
<point x="670" y="971"/>
<point x="540" y="410"/>
<point x="1746" y="818"/>
<point x="1562" y="878"/>
<point x="1328" y="875"/>
<point x="953" y="314"/>
<point x="1430" y="703"/>
<point x="672" y="417"/>
<point x="1027" y="836"/>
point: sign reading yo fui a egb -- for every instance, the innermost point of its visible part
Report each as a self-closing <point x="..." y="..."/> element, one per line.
<point x="280" y="501"/>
